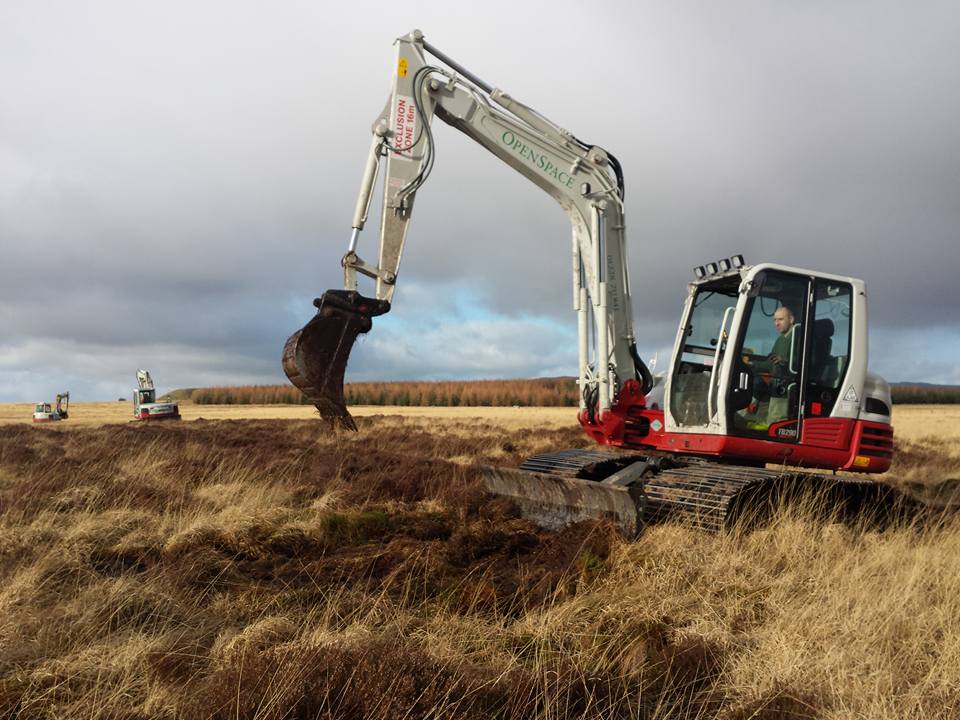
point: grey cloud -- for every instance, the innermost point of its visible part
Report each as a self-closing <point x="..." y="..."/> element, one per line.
<point x="183" y="176"/>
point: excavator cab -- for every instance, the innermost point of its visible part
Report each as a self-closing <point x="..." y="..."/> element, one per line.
<point x="772" y="361"/>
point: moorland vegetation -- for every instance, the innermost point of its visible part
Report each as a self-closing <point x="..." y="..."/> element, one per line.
<point x="274" y="569"/>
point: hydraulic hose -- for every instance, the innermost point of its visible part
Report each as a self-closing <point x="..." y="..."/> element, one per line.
<point x="643" y="372"/>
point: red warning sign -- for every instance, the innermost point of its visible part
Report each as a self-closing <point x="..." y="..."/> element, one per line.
<point x="404" y="126"/>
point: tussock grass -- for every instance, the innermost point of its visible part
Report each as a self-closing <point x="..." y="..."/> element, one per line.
<point x="269" y="569"/>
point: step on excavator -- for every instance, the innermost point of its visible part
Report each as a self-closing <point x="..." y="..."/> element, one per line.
<point x="768" y="378"/>
<point x="44" y="412"/>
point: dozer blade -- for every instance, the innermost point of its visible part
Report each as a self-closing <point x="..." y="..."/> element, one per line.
<point x="315" y="357"/>
<point x="554" y="501"/>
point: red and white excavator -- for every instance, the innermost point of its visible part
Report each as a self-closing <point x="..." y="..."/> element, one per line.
<point x="44" y="412"/>
<point x="145" y="405"/>
<point x="769" y="365"/>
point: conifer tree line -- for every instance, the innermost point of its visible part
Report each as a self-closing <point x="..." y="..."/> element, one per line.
<point x="539" y="392"/>
<point x="925" y="394"/>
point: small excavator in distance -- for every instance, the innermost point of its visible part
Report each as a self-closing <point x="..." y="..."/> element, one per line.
<point x="145" y="405"/>
<point x="769" y="366"/>
<point x="43" y="412"/>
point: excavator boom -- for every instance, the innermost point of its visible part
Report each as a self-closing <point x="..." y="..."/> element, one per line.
<point x="584" y="179"/>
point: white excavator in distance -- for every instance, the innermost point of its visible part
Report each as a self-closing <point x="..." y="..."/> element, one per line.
<point x="769" y="366"/>
<point x="44" y="412"/>
<point x="145" y="405"/>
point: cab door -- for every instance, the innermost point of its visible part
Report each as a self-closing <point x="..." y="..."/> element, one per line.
<point x="830" y="346"/>
<point x="765" y="396"/>
<point x="693" y="395"/>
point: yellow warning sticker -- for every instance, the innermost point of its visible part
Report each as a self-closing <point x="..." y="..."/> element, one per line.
<point x="402" y="67"/>
<point x="861" y="461"/>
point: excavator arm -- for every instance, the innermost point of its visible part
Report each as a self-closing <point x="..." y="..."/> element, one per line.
<point x="577" y="175"/>
<point x="144" y="381"/>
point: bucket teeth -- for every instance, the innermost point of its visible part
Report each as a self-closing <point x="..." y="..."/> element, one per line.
<point x="315" y="357"/>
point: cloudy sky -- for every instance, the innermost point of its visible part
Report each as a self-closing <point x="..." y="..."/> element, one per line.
<point x="177" y="179"/>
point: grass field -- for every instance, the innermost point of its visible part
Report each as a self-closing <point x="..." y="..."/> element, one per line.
<point x="99" y="413"/>
<point x="255" y="565"/>
<point x="911" y="422"/>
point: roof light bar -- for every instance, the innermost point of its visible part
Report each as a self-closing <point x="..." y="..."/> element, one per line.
<point x="720" y="266"/>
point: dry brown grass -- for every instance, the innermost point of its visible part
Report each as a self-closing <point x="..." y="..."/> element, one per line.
<point x="911" y="422"/>
<point x="93" y="414"/>
<point x="272" y="569"/>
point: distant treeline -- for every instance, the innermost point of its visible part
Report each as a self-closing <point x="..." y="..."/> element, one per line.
<point x="925" y="394"/>
<point x="540" y="392"/>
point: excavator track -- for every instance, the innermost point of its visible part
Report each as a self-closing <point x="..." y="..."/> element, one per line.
<point x="717" y="497"/>
<point x="712" y="496"/>
<point x="571" y="485"/>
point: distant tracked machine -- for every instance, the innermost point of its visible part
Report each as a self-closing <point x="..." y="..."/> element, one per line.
<point x="145" y="405"/>
<point x="43" y="412"/>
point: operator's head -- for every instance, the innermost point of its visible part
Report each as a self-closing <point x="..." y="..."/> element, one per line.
<point x="783" y="319"/>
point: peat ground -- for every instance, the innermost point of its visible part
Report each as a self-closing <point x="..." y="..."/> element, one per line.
<point x="272" y="569"/>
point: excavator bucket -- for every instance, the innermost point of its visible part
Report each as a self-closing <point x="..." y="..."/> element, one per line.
<point x="315" y="357"/>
